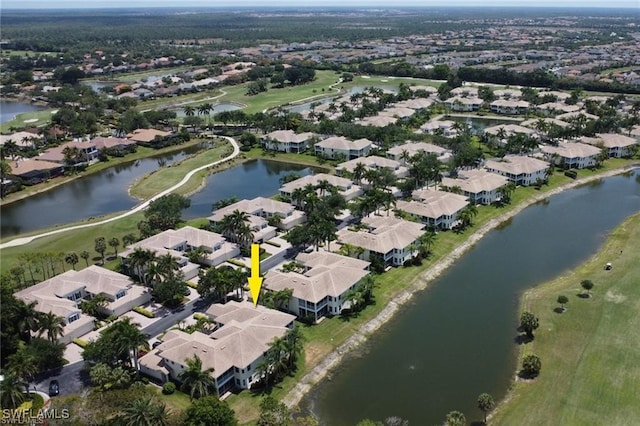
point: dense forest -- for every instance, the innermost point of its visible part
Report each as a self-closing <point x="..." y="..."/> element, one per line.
<point x="54" y="30"/>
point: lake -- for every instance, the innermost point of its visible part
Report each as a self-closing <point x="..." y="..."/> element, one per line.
<point x="455" y="339"/>
<point x="9" y="109"/>
<point x="105" y="192"/>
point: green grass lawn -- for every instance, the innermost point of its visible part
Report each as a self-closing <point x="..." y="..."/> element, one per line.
<point x="590" y="353"/>
<point x="164" y="177"/>
<point x="24" y="120"/>
<point x="276" y="97"/>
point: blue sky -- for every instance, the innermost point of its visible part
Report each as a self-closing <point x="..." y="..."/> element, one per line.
<point x="52" y="4"/>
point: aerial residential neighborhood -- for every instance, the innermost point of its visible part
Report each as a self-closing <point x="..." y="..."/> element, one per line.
<point x="319" y="215"/>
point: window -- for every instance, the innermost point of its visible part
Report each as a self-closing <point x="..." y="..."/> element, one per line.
<point x="73" y="317"/>
<point x="120" y="294"/>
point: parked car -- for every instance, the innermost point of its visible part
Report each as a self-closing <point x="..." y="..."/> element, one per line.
<point x="54" y="388"/>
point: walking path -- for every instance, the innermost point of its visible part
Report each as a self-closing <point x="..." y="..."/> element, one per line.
<point x="333" y="359"/>
<point x="25" y="240"/>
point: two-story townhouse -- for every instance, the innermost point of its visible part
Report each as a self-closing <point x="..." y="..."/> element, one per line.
<point x="373" y="163"/>
<point x="265" y="208"/>
<point x="179" y="242"/>
<point x="234" y="351"/>
<point x="320" y="288"/>
<point x="339" y="145"/>
<point x="503" y="106"/>
<point x="519" y="169"/>
<point x="571" y="155"/>
<point x="409" y="149"/>
<point x="479" y="186"/>
<point x="617" y="145"/>
<point x="388" y="237"/>
<point x="286" y="141"/>
<point x="63" y="294"/>
<point x="345" y="187"/>
<point x="436" y="209"/>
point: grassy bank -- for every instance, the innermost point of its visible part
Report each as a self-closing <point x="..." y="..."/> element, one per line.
<point x="590" y="353"/>
<point x="165" y="177"/>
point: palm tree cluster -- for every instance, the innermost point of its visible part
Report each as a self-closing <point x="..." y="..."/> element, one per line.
<point x="118" y="345"/>
<point x="361" y="295"/>
<point x="281" y="357"/>
<point x="217" y="283"/>
<point x="321" y="204"/>
<point x="236" y="227"/>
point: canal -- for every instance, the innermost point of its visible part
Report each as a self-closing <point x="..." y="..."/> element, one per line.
<point x="455" y="339"/>
<point x="106" y="192"/>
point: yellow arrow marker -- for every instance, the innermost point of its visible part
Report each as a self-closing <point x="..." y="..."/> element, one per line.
<point x="255" y="280"/>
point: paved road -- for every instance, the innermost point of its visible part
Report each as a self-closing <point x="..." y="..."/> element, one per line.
<point x="139" y="207"/>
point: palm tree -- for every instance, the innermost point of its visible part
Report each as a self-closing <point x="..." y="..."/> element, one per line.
<point x="12" y="391"/>
<point x="27" y="317"/>
<point x="189" y="111"/>
<point x="71" y="259"/>
<point x="358" y="172"/>
<point x="101" y="247"/>
<point x="485" y="404"/>
<point x="114" y="242"/>
<point x="424" y="243"/>
<point x="130" y="339"/>
<point x="23" y="364"/>
<point x="94" y="306"/>
<point x="85" y="255"/>
<point x="295" y="345"/>
<point x="199" y="382"/>
<point x="167" y="265"/>
<point x="51" y="324"/>
<point x="144" y="412"/>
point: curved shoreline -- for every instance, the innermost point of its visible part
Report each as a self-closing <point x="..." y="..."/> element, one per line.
<point x="25" y="240"/>
<point x="334" y="358"/>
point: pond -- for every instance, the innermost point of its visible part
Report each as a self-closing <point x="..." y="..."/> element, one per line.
<point x="105" y="192"/>
<point x="9" y="109"/>
<point x="455" y="340"/>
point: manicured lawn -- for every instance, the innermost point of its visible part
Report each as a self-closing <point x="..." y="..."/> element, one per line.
<point x="176" y="400"/>
<point x="376" y="80"/>
<point x="276" y="97"/>
<point x="165" y="177"/>
<point x="24" y="120"/>
<point x="590" y="353"/>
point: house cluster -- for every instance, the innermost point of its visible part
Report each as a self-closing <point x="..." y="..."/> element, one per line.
<point x="52" y="161"/>
<point x="63" y="294"/>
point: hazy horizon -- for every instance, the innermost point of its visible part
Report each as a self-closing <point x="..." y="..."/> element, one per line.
<point x="111" y="4"/>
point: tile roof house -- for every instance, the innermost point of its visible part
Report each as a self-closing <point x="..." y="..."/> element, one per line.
<point x="179" y="242"/>
<point x="63" y="293"/>
<point x="264" y="208"/>
<point x="480" y="186"/>
<point x="286" y="141"/>
<point x="458" y="103"/>
<point x="146" y="135"/>
<point x="22" y="139"/>
<point x="334" y="145"/>
<point x="572" y="155"/>
<point x="34" y="171"/>
<point x="319" y="289"/>
<point x="617" y="145"/>
<point x="412" y="148"/>
<point x="346" y="187"/>
<point x="113" y="143"/>
<point x="502" y="106"/>
<point x="234" y="351"/>
<point x="389" y="237"/>
<point x="438" y="209"/>
<point x="521" y="170"/>
<point x="56" y="154"/>
<point x="373" y="163"/>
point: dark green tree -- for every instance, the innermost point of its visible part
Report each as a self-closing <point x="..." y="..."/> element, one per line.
<point x="210" y="411"/>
